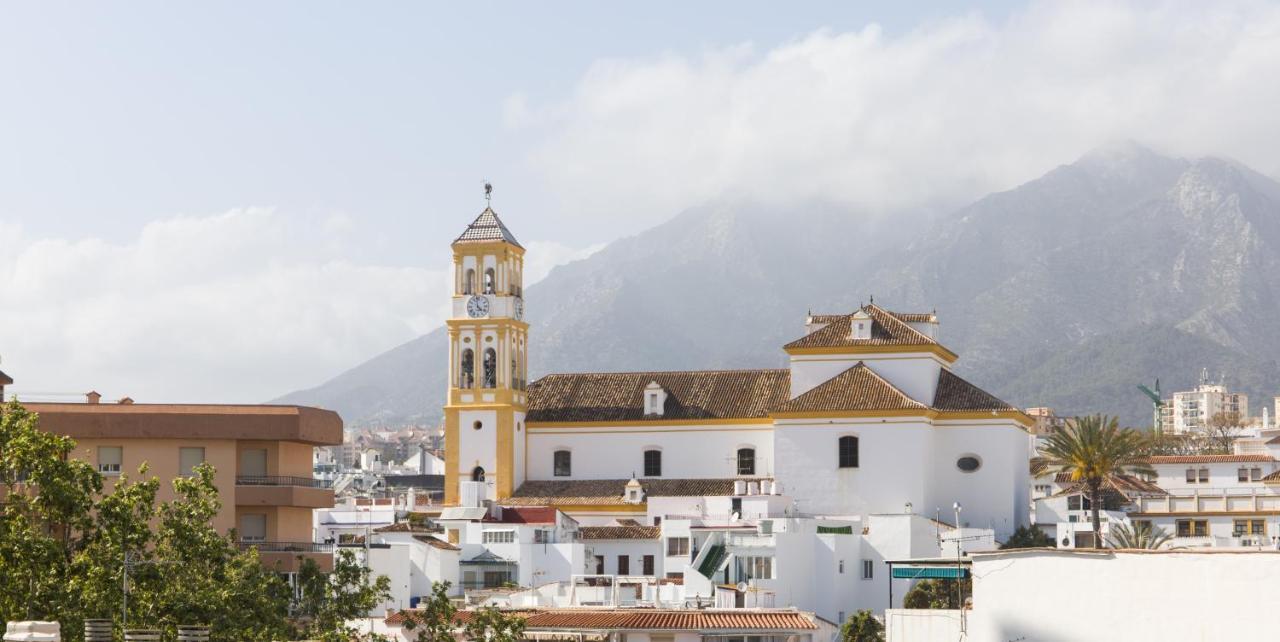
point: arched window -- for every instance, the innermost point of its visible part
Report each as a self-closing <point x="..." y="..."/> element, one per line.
<point x="746" y="461"/>
<point x="469" y="282"/>
<point x="515" y="379"/>
<point x="562" y="463"/>
<point x="490" y="368"/>
<point x="489" y="283"/>
<point x="477" y="474"/>
<point x="848" y="451"/>
<point x="653" y="463"/>
<point x="467" y="373"/>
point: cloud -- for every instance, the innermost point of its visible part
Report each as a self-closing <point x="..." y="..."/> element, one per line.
<point x="930" y="118"/>
<point x="240" y="306"/>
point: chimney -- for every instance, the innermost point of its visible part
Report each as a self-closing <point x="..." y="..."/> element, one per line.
<point x="92" y="397"/>
<point x="125" y="401"/>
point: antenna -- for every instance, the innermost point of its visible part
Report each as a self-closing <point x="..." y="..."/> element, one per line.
<point x="488" y="192"/>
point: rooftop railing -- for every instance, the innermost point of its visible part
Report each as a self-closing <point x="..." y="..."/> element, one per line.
<point x="278" y="480"/>
<point x="286" y="547"/>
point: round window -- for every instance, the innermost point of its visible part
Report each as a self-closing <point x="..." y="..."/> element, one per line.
<point x="968" y="463"/>
<point x="477" y="425"/>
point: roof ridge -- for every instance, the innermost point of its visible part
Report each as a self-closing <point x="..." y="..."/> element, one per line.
<point x="860" y="366"/>
<point x="906" y="326"/>
<point x="642" y="372"/>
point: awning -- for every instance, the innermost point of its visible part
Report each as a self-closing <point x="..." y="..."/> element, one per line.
<point x="933" y="572"/>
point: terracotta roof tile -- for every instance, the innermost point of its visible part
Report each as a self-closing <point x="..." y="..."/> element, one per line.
<point x="525" y="515"/>
<point x="619" y="396"/>
<point x="610" y="491"/>
<point x="957" y="395"/>
<point x="436" y="542"/>
<point x="619" y="532"/>
<point x="653" y="619"/>
<point x="1207" y="459"/>
<point x="856" y="389"/>
<point x="487" y="227"/>
<point x="886" y="330"/>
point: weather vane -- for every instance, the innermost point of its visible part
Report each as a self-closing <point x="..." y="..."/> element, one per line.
<point x="488" y="192"/>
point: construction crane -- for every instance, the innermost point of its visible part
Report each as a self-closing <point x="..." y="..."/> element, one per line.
<point x="1157" y="404"/>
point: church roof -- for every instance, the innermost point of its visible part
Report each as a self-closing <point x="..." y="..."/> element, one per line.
<point x="553" y="492"/>
<point x="619" y="396"/>
<point x="857" y="389"/>
<point x="887" y="329"/>
<point x="957" y="395"/>
<point x="487" y="228"/>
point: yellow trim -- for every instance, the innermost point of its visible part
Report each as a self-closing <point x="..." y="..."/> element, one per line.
<point x="1015" y="415"/>
<point x="505" y="454"/>
<point x="650" y="422"/>
<point x="933" y="348"/>
<point x="934" y="416"/>
<point x="478" y="248"/>
<point x="451" y="445"/>
<point x="551" y="431"/>
<point x="601" y="508"/>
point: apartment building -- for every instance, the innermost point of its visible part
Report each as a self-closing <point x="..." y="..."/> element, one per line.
<point x="1192" y="411"/>
<point x="262" y="456"/>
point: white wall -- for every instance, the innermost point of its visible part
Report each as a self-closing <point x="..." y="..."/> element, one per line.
<point x="617" y="453"/>
<point x="1221" y="475"/>
<point x="918" y="625"/>
<point x="995" y="496"/>
<point x="634" y="549"/>
<point x="1126" y="596"/>
<point x="915" y="374"/>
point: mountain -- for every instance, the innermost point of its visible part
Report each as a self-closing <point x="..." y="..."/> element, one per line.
<point x="1067" y="291"/>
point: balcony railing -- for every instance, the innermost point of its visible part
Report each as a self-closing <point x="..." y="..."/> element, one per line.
<point x="277" y="480"/>
<point x="286" y="547"/>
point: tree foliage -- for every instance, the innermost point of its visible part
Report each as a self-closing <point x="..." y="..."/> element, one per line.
<point x="493" y="625"/>
<point x="64" y="539"/>
<point x="1141" y="535"/>
<point x="1095" y="451"/>
<point x="1028" y="537"/>
<point x="862" y="627"/>
<point x="330" y="600"/>
<point x="937" y="594"/>
<point x="433" y="620"/>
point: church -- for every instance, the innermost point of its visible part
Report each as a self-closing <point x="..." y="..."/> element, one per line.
<point x="866" y="419"/>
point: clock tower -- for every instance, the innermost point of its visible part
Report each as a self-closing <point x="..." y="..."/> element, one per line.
<point x="488" y="343"/>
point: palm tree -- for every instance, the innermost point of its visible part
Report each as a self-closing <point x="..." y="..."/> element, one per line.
<point x="1095" y="451"/>
<point x="1142" y="535"/>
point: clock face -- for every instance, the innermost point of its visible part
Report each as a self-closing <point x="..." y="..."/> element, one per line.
<point x="519" y="308"/>
<point x="477" y="306"/>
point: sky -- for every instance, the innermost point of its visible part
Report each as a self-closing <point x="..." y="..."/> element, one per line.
<point x="229" y="201"/>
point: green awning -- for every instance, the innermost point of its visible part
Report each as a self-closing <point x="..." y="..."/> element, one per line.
<point x="932" y="572"/>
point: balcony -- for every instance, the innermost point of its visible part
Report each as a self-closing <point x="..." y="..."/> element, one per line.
<point x="286" y="557"/>
<point x="275" y="490"/>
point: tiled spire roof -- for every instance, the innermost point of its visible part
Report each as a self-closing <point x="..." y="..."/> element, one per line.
<point x="887" y="329"/>
<point x="487" y="228"/>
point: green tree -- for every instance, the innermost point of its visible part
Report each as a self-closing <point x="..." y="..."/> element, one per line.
<point x="937" y="594"/>
<point x="862" y="627"/>
<point x="1095" y="451"/>
<point x="330" y="600"/>
<point x="433" y="620"/>
<point x="1141" y="535"/>
<point x="1027" y="537"/>
<point x="492" y="625"/>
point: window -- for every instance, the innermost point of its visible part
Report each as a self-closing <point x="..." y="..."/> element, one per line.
<point x="646" y="565"/>
<point x="490" y="368"/>
<point x="968" y="464"/>
<point x="624" y="565"/>
<point x="561" y="463"/>
<point x="542" y="536"/>
<point x="253" y="462"/>
<point x="848" y="451"/>
<point x="1242" y="475"/>
<point x="746" y="461"/>
<point x="841" y="566"/>
<point x="253" y="528"/>
<point x="755" y="568"/>
<point x="1191" y="475"/>
<point x="677" y="547"/>
<point x="1204" y="475"/>
<point x="653" y="463"/>
<point x="599" y="565"/>
<point x="188" y="458"/>
<point x="1255" y="474"/>
<point x="109" y="459"/>
<point x="868" y="569"/>
<point x="469" y="283"/>
<point x="477" y="424"/>
<point x="488" y="281"/>
<point x="499" y="537"/>
<point x="466" y="377"/>
<point x="1248" y="527"/>
<point x="477" y="474"/>
<point x="735" y="506"/>
<point x="1193" y="528"/>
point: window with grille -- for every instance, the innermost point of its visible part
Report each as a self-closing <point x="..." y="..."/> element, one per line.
<point x="677" y="547"/>
<point x="746" y="461"/>
<point x="562" y="462"/>
<point x="499" y="537"/>
<point x="848" y="451"/>
<point x="653" y="463"/>
<point x="110" y="459"/>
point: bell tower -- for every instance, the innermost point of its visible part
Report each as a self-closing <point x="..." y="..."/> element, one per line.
<point x="488" y="343"/>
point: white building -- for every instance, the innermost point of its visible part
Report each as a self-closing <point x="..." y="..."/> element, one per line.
<point x="866" y="420"/>
<point x="1192" y="411"/>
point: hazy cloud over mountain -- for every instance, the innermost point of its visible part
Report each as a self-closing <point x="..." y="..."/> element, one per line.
<point x="934" y="117"/>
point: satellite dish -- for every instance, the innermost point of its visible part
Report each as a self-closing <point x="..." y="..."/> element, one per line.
<point x="742" y="587"/>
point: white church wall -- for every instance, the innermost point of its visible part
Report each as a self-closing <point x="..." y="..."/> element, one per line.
<point x="997" y="494"/>
<point x="915" y="374"/>
<point x="894" y="464"/>
<point x="617" y="453"/>
<point x="478" y="447"/>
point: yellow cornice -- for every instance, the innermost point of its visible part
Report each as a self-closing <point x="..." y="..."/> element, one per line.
<point x="454" y="324"/>
<point x="931" y="348"/>
<point x="472" y="248"/>
<point x="645" y="423"/>
<point x="601" y="508"/>
<point x="1015" y="415"/>
<point x="938" y="417"/>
